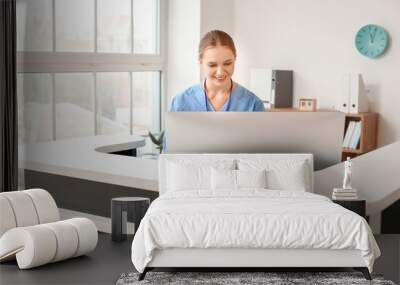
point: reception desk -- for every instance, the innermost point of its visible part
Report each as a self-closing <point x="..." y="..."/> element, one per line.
<point x="83" y="174"/>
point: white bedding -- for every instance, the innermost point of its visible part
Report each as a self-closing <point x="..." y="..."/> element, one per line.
<point x="251" y="218"/>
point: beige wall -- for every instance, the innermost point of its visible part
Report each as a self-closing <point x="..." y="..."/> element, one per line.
<point x="188" y="21"/>
<point x="316" y="39"/>
<point x="217" y="15"/>
<point x="183" y="38"/>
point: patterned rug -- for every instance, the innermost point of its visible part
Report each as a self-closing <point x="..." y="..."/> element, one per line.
<point x="243" y="278"/>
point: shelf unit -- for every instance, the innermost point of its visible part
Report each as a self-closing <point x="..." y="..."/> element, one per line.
<point x="368" y="137"/>
<point x="369" y="131"/>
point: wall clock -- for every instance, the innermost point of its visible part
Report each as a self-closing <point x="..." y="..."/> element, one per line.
<point x="371" y="40"/>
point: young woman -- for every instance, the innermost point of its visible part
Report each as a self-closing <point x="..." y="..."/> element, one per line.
<point x="217" y="92"/>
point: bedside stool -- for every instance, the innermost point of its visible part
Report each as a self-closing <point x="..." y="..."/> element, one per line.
<point x="123" y="208"/>
<point x="357" y="206"/>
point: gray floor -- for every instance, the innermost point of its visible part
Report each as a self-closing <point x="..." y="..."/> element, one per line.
<point x="103" y="266"/>
<point x="110" y="260"/>
<point x="389" y="263"/>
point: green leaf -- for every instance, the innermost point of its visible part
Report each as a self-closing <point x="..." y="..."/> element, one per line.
<point x="157" y="141"/>
<point x="161" y="137"/>
<point x="153" y="139"/>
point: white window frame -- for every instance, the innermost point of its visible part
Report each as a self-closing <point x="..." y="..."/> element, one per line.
<point x="71" y="62"/>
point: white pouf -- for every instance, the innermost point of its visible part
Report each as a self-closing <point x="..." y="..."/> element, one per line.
<point x="7" y="216"/>
<point x="22" y="207"/>
<point x="31" y="232"/>
<point x="37" y="245"/>
<point x="45" y="205"/>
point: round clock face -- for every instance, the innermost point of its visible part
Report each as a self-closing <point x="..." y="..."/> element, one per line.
<point x="371" y="40"/>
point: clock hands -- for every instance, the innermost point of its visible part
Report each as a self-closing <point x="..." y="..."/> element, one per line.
<point x="365" y="41"/>
<point x="372" y="34"/>
<point x="373" y="38"/>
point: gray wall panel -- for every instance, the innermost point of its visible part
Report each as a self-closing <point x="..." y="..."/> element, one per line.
<point x="82" y="195"/>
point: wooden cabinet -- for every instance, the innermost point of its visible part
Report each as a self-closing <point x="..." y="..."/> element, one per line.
<point x="357" y="206"/>
<point x="368" y="137"/>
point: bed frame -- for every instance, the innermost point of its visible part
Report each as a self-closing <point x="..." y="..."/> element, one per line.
<point x="242" y="259"/>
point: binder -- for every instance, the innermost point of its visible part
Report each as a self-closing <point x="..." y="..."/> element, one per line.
<point x="353" y="99"/>
<point x="358" y="101"/>
<point x="344" y="100"/>
<point x="273" y="87"/>
<point x="356" y="137"/>
<point x="349" y="134"/>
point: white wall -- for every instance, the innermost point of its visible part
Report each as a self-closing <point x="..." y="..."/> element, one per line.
<point x="216" y="15"/>
<point x="316" y="39"/>
<point x="374" y="175"/>
<point x="183" y="38"/>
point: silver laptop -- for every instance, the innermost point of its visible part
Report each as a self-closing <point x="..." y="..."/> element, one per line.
<point x="319" y="133"/>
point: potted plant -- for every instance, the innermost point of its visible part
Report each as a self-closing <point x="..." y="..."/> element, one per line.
<point x="158" y="140"/>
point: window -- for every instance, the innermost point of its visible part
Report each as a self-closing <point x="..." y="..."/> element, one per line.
<point x="114" y="102"/>
<point x="35" y="108"/>
<point x="89" y="67"/>
<point x="74" y="105"/>
<point x="74" y="25"/>
<point x="145" y="26"/>
<point x="114" y="26"/>
<point x="34" y="28"/>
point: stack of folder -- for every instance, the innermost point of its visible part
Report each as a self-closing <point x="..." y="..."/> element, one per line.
<point x="344" y="194"/>
<point x="352" y="136"/>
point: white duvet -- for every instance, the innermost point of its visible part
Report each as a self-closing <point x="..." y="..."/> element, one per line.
<point x="250" y="219"/>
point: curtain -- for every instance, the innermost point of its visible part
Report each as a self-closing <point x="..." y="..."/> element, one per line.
<point x="8" y="98"/>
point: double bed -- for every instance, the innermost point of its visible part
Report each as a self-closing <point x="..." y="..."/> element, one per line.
<point x="247" y="210"/>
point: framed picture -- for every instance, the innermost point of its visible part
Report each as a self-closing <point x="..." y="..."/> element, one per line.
<point x="307" y="104"/>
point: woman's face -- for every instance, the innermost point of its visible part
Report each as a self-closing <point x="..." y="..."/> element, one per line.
<point x="218" y="65"/>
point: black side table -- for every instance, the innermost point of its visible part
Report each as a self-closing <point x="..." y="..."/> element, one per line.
<point x="124" y="208"/>
<point x="357" y="206"/>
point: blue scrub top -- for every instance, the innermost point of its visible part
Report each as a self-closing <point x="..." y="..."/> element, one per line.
<point x="194" y="99"/>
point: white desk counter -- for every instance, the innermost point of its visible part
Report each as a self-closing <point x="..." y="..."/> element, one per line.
<point x="89" y="158"/>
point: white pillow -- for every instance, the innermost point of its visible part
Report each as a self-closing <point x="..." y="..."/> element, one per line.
<point x="223" y="179"/>
<point x="251" y="178"/>
<point x="293" y="179"/>
<point x="188" y="175"/>
<point x="237" y="179"/>
<point x="281" y="174"/>
<point x="182" y="177"/>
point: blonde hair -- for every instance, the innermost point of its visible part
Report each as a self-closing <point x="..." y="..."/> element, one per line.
<point x="216" y="38"/>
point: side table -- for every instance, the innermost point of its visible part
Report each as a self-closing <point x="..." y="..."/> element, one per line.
<point x="123" y="208"/>
<point x="357" y="206"/>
